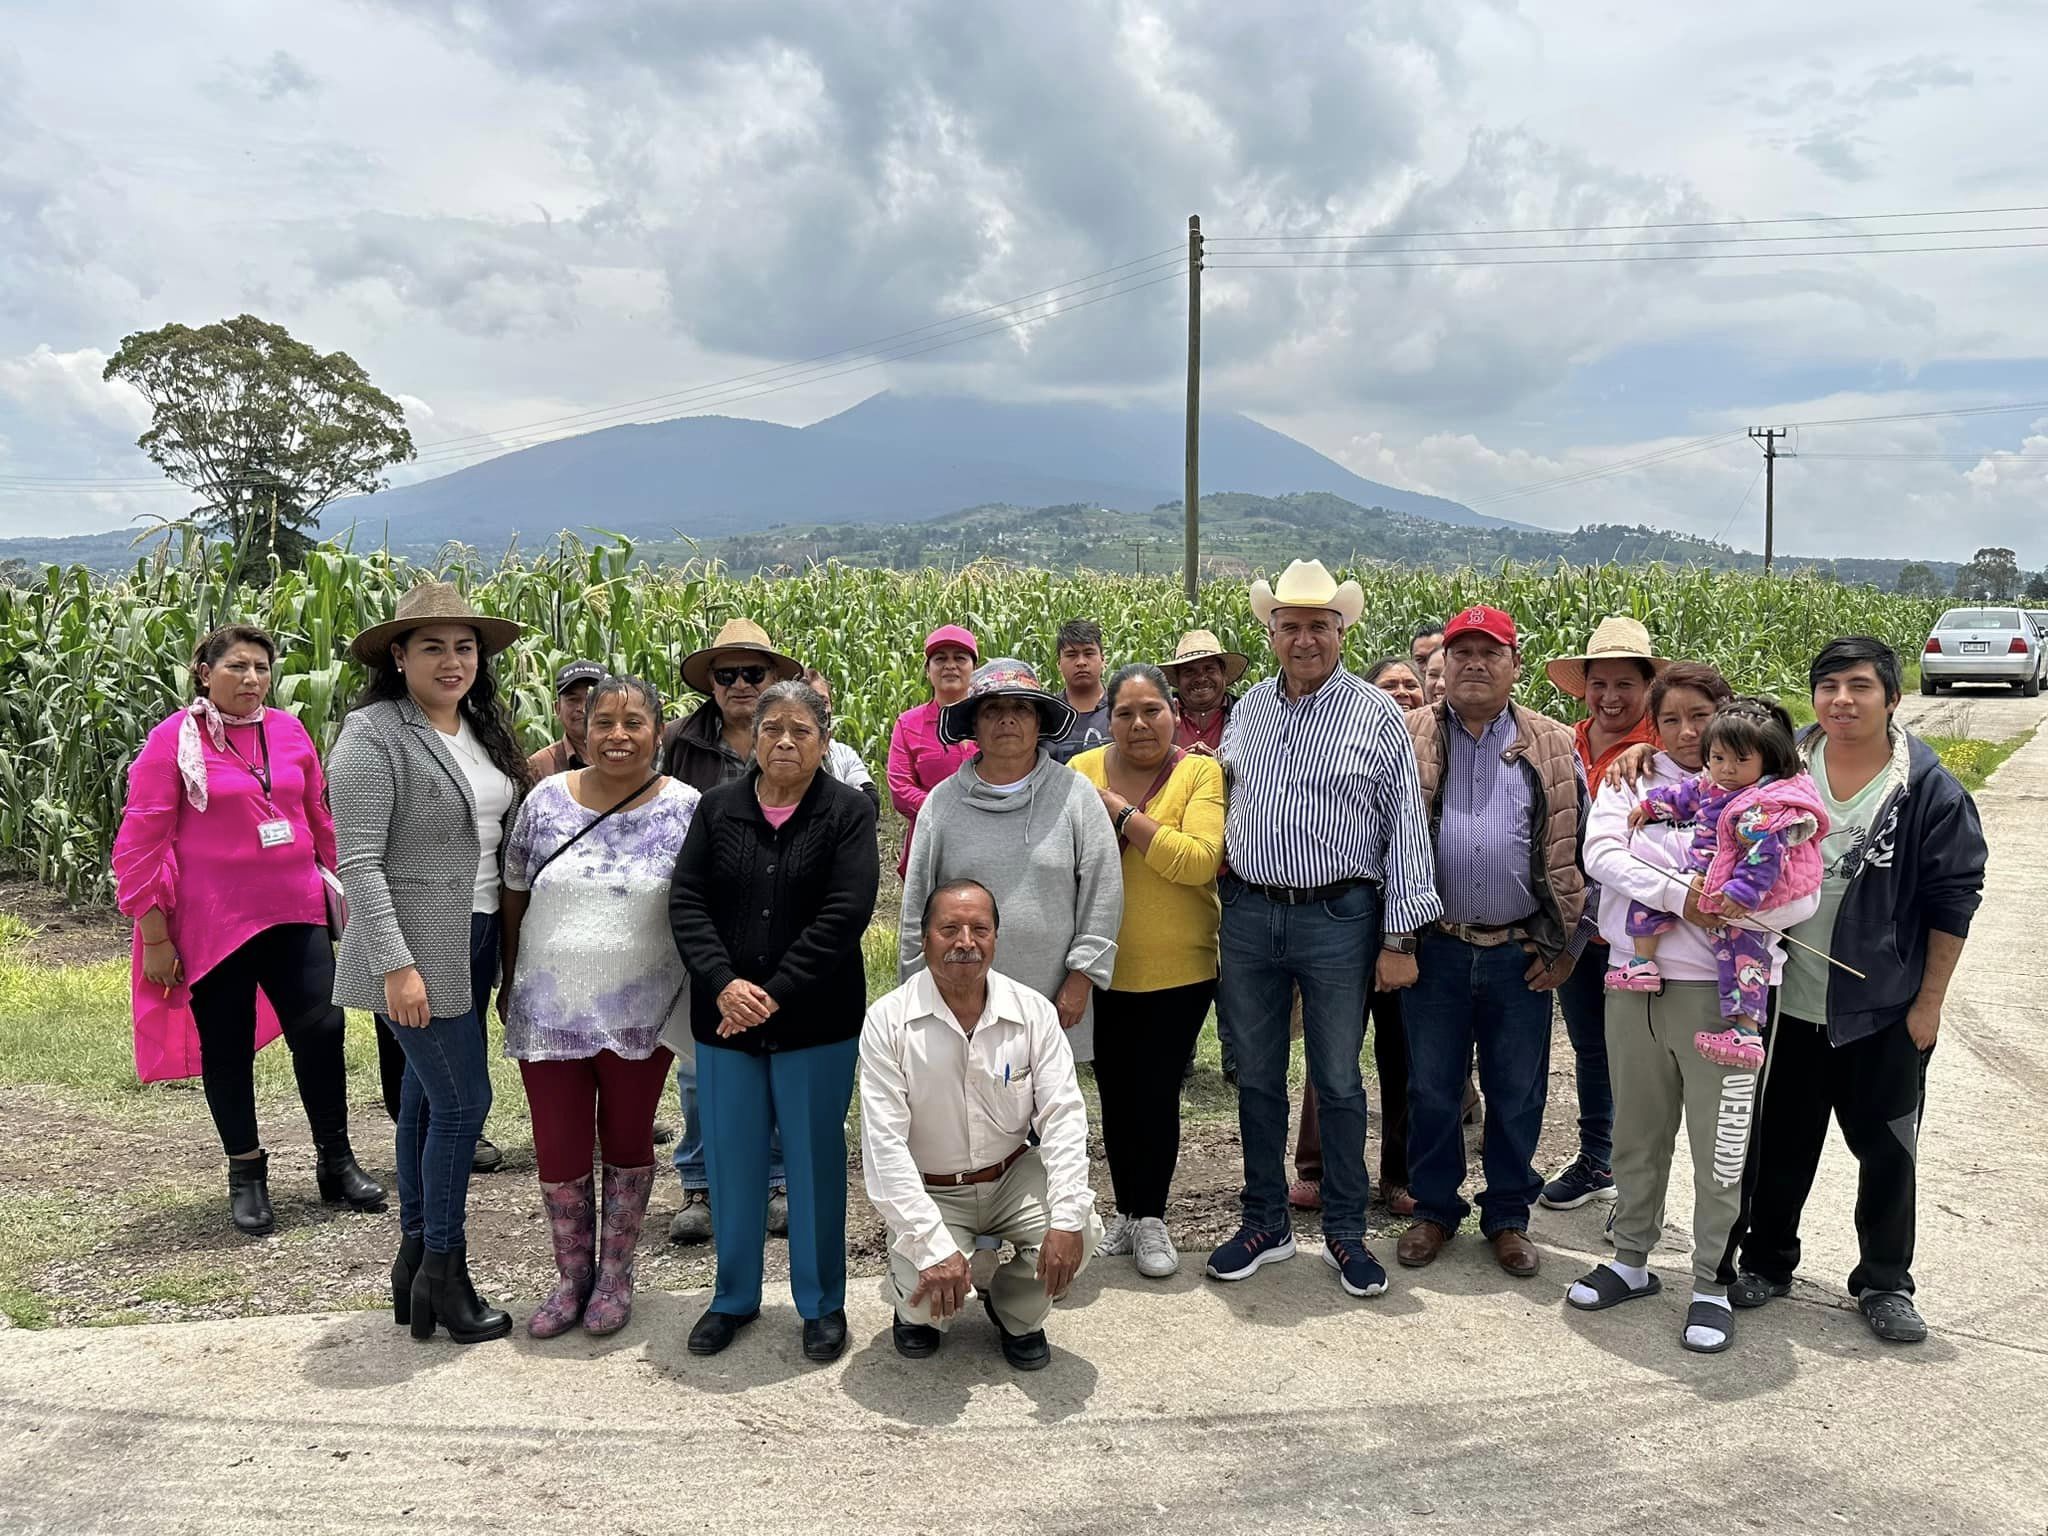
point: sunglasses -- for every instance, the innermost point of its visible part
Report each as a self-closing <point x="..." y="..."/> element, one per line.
<point x="725" y="677"/>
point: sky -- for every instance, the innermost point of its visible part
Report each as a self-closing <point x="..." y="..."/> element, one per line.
<point x="516" y="212"/>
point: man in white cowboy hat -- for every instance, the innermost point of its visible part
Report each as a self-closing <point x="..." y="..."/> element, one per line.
<point x="1327" y="850"/>
<point x="1613" y="679"/>
<point x="1202" y="672"/>
<point x="705" y="749"/>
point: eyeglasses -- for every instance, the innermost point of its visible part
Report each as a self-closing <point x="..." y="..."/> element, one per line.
<point x="725" y="677"/>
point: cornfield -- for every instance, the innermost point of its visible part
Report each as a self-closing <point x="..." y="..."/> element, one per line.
<point x="88" y="667"/>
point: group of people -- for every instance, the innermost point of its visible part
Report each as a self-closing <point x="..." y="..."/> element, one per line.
<point x="1744" y="929"/>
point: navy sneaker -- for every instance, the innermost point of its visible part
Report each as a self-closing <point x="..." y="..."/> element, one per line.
<point x="1360" y="1273"/>
<point x="1244" y="1255"/>
<point x="1576" y="1183"/>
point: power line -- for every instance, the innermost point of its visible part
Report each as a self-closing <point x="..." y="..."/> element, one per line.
<point x="1569" y="261"/>
<point x="1602" y="471"/>
<point x="1739" y="505"/>
<point x="1629" y="245"/>
<point x="1601" y="229"/>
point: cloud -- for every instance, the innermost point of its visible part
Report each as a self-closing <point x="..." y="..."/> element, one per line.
<point x="1837" y="152"/>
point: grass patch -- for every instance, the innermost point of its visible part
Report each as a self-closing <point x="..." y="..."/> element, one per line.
<point x="194" y="1288"/>
<point x="1973" y="761"/>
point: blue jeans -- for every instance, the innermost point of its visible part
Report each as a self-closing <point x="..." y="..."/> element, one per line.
<point x="1327" y="949"/>
<point x="1467" y="995"/>
<point x="1583" y="998"/>
<point x="746" y="1096"/>
<point x="443" y="1102"/>
<point x="689" y="1154"/>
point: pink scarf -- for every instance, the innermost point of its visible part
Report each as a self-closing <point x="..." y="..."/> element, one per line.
<point x="191" y="756"/>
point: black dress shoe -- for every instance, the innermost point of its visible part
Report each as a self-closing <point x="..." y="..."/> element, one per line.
<point x="249" y="1194"/>
<point x="1025" y="1351"/>
<point x="915" y="1341"/>
<point x="825" y="1337"/>
<point x="487" y="1159"/>
<point x="715" y="1330"/>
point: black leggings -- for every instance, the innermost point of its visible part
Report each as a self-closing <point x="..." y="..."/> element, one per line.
<point x="294" y="965"/>
<point x="1142" y="1044"/>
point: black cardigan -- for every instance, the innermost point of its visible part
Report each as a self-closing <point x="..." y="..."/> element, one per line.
<point x="783" y="908"/>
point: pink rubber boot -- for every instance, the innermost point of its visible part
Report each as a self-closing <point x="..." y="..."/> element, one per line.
<point x="625" y="1209"/>
<point x="572" y="1222"/>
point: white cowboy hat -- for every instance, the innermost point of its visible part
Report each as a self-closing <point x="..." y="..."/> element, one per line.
<point x="1619" y="638"/>
<point x="1305" y="584"/>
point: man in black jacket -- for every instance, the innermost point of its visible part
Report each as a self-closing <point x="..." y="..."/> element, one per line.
<point x="1904" y="873"/>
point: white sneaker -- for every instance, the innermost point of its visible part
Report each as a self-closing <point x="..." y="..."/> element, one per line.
<point x="1116" y="1238"/>
<point x="1157" y="1257"/>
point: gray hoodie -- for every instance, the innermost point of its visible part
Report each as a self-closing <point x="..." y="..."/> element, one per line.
<point x="1049" y="857"/>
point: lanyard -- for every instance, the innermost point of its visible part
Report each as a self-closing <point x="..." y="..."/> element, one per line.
<point x="260" y="775"/>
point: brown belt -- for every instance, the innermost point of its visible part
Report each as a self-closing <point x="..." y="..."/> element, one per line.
<point x="1483" y="936"/>
<point x="986" y="1175"/>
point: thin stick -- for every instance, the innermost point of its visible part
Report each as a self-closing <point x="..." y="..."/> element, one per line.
<point x="1761" y="927"/>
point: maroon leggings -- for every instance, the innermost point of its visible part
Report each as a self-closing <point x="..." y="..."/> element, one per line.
<point x="604" y="1098"/>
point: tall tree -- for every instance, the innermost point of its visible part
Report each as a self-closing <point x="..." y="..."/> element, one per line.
<point x="2036" y="592"/>
<point x="266" y="429"/>
<point x="1992" y="576"/>
<point x="1917" y="579"/>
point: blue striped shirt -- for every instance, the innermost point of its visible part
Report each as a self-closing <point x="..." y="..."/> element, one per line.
<point x="1323" y="788"/>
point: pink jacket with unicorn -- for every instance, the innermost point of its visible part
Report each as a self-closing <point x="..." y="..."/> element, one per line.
<point x="1767" y="847"/>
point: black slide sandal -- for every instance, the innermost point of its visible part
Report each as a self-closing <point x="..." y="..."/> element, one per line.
<point x="1611" y="1290"/>
<point x="1704" y="1314"/>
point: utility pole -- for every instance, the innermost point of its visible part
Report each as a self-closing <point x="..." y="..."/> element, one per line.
<point x="1769" y="437"/>
<point x="1192" y="495"/>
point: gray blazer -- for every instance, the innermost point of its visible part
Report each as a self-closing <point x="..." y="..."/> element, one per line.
<point x="405" y="824"/>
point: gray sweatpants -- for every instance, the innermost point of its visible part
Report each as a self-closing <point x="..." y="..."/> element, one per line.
<point x="1657" y="1076"/>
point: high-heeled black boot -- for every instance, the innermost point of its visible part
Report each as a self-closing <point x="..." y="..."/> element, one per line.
<point x="249" y="1194"/>
<point x="411" y="1250"/>
<point x="442" y="1293"/>
<point x="341" y="1181"/>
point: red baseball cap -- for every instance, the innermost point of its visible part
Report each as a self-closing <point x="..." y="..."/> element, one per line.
<point x="1490" y="622"/>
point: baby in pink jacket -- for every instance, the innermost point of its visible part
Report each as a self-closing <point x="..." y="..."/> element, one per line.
<point x="1758" y="821"/>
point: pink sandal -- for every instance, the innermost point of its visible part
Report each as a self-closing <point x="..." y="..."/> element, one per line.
<point x="1731" y="1048"/>
<point x="1635" y="976"/>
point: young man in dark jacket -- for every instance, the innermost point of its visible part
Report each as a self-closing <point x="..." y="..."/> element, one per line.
<point x="1904" y="873"/>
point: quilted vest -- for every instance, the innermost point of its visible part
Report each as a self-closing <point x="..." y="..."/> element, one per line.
<point x="1546" y="752"/>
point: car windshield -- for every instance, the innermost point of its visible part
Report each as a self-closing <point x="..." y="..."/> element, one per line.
<point x="1980" y="618"/>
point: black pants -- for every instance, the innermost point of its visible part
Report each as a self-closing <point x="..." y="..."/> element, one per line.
<point x="1876" y="1088"/>
<point x="294" y="965"/>
<point x="1142" y="1041"/>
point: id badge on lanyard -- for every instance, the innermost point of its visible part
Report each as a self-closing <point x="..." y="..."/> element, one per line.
<point x="277" y="831"/>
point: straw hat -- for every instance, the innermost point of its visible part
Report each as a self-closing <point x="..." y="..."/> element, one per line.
<point x="1201" y="645"/>
<point x="1004" y="678"/>
<point x="1306" y="584"/>
<point x="737" y="635"/>
<point x="1619" y="638"/>
<point x="432" y="602"/>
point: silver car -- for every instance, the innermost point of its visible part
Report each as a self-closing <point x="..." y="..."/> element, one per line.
<point x="1983" y="645"/>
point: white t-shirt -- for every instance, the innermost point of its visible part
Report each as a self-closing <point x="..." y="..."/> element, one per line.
<point x="493" y="793"/>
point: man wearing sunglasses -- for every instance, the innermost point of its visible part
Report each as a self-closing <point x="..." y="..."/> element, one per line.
<point x="711" y="746"/>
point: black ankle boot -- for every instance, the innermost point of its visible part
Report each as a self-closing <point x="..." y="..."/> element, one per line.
<point x="410" y="1251"/>
<point x="341" y="1181"/>
<point x="442" y="1293"/>
<point x="249" y="1194"/>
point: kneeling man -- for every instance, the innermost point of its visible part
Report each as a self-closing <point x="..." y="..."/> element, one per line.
<point x="957" y="1067"/>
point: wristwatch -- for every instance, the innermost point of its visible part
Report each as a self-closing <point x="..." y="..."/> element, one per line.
<point x="1123" y="818"/>
<point x="1400" y="943"/>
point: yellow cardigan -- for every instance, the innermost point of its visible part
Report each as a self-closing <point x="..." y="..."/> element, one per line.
<point x="1171" y="913"/>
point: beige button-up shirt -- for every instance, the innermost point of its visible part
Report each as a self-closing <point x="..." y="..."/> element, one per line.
<point x="934" y="1099"/>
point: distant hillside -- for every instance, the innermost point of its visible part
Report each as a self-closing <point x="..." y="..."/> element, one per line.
<point x="892" y="458"/>
<point x="1239" y="532"/>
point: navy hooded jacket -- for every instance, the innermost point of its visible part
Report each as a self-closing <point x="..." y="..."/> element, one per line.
<point x="1921" y="869"/>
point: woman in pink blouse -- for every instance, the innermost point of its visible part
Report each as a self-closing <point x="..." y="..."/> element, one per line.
<point x="918" y="761"/>
<point x="219" y="861"/>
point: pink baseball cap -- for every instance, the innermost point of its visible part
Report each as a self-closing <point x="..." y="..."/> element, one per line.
<point x="952" y="634"/>
<point x="1490" y="622"/>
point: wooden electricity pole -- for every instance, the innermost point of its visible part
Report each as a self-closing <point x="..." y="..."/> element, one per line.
<point x="1769" y="437"/>
<point x="1192" y="494"/>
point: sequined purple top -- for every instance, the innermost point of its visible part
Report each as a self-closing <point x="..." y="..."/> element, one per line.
<point x="597" y="964"/>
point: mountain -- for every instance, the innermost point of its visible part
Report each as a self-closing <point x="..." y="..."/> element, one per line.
<point x="1240" y="533"/>
<point x="892" y="458"/>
